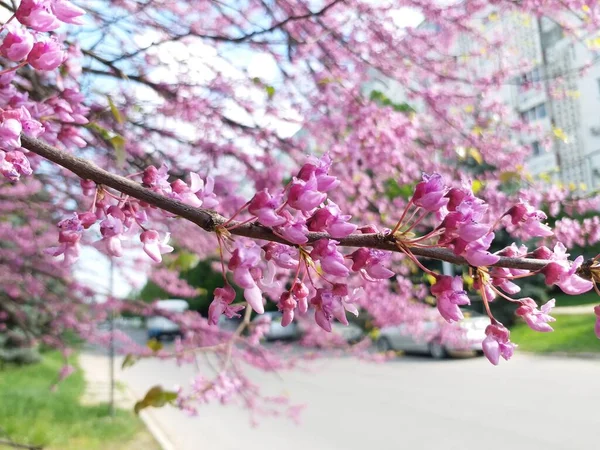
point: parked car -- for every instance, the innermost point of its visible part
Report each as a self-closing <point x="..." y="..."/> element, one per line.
<point x="276" y="330"/>
<point x="351" y="333"/>
<point x="433" y="337"/>
<point x="159" y="327"/>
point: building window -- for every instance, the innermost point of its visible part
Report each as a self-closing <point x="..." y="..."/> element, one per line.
<point x="535" y="113"/>
<point x="536" y="148"/>
<point x="552" y="36"/>
<point x="527" y="79"/>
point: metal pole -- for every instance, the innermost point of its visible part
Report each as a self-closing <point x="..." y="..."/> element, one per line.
<point x="447" y="268"/>
<point x="111" y="345"/>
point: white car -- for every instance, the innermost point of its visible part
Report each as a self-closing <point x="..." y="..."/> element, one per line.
<point x="276" y="330"/>
<point x="435" y="336"/>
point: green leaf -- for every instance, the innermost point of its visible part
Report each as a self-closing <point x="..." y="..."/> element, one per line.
<point x="156" y="398"/>
<point x="115" y="111"/>
<point x="382" y="99"/>
<point x="103" y="132"/>
<point x="118" y="143"/>
<point x="186" y="261"/>
<point x="154" y="345"/>
<point x="270" y="91"/>
<point x="474" y="153"/>
<point x="129" y="361"/>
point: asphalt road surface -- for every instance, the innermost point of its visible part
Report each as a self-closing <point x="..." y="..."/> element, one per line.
<point x="409" y="403"/>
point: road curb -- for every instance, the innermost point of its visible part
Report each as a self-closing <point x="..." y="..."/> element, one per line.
<point x="566" y="355"/>
<point x="153" y="425"/>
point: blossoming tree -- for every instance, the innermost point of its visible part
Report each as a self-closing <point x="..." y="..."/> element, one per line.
<point x="139" y="120"/>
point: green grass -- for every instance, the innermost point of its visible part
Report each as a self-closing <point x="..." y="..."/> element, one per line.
<point x="574" y="300"/>
<point x="31" y="414"/>
<point x="572" y="333"/>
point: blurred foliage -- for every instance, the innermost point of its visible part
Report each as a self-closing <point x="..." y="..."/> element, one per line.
<point x="381" y="99"/>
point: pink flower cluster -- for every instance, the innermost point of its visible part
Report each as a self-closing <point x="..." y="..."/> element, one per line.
<point x="301" y="208"/>
<point x="465" y="230"/>
<point x="42" y="53"/>
<point x="120" y="218"/>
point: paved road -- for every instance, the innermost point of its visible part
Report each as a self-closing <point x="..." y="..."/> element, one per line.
<point x="409" y="403"/>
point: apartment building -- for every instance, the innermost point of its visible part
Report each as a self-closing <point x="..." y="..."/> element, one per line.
<point x="555" y="95"/>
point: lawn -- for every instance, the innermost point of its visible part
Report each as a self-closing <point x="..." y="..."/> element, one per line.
<point x="31" y="414"/>
<point x="572" y="333"/>
<point x="588" y="298"/>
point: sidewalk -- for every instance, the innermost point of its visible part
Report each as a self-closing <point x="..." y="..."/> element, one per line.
<point x="573" y="310"/>
<point x="96" y="370"/>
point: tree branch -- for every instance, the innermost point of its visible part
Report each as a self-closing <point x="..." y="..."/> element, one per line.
<point x="210" y="220"/>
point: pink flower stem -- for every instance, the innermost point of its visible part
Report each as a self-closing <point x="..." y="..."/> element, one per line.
<point x="408" y="253"/>
<point x="399" y="224"/>
<point x="429" y="235"/>
<point x="93" y="208"/>
<point x="501" y="294"/>
<point x="252" y="219"/>
<point x="6" y="23"/>
<point x="486" y="304"/>
<point x="222" y="260"/>
<point x="244" y="206"/>
<point x="11" y="69"/>
<point x="416" y="221"/>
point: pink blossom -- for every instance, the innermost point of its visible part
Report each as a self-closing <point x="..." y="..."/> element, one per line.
<point x="501" y="278"/>
<point x="17" y="44"/>
<point x="10" y="132"/>
<point x="287" y="304"/>
<point x="370" y="262"/>
<point x="331" y="219"/>
<point x="264" y="206"/>
<point x="294" y="230"/>
<point x="197" y="194"/>
<point x="497" y="343"/>
<point x="330" y="304"/>
<point x="68" y="237"/>
<point x="562" y="274"/>
<point x="88" y="187"/>
<point x="19" y="162"/>
<point x="243" y="259"/>
<point x="530" y="220"/>
<point x="37" y="14"/>
<point x="156" y="178"/>
<point x="476" y="252"/>
<point x="537" y="320"/>
<point x="30" y="126"/>
<point x="221" y="304"/>
<point x="450" y="295"/>
<point x="111" y="229"/>
<point x="429" y="193"/>
<point x="282" y="255"/>
<point x="319" y="168"/>
<point x="332" y="261"/>
<point x="46" y="55"/>
<point x="304" y="195"/>
<point x="87" y="219"/>
<point x="67" y="12"/>
<point x="153" y="247"/>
